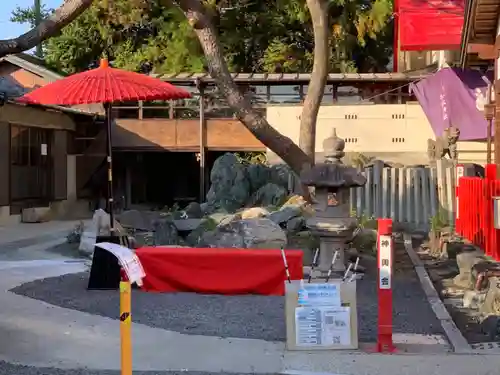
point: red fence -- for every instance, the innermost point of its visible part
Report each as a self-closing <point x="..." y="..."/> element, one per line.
<point x="475" y="211"/>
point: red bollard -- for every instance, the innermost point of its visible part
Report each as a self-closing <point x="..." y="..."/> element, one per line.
<point x="385" y="265"/>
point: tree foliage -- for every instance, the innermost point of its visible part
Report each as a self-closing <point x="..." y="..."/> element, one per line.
<point x="257" y="36"/>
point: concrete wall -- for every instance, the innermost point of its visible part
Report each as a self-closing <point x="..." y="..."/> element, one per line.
<point x="392" y="132"/>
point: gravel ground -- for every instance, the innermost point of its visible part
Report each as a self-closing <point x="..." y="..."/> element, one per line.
<point x="11" y="369"/>
<point x="257" y="317"/>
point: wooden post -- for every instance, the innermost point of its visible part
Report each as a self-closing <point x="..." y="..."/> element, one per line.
<point x="489" y="114"/>
<point x="203" y="139"/>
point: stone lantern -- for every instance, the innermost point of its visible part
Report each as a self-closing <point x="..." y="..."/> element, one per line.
<point x="332" y="221"/>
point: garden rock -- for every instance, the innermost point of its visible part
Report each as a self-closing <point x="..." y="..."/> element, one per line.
<point x="285" y="213"/>
<point x="260" y="233"/>
<point x="473" y="299"/>
<point x="281" y="174"/>
<point x="165" y="232"/>
<point x="491" y="303"/>
<point x="193" y="210"/>
<point x="268" y="195"/>
<point x="464" y="280"/>
<point x="295" y="224"/>
<point x="451" y="249"/>
<point x="254" y="213"/>
<point x="466" y="260"/>
<point x="230" y="187"/>
<point x="186" y="225"/>
<point x="136" y="219"/>
<point x="258" y="176"/>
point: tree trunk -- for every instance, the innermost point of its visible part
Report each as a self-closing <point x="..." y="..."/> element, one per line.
<point x="315" y="91"/>
<point x="200" y="19"/>
<point x="49" y="27"/>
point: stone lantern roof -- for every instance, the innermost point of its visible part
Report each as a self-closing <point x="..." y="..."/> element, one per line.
<point x="332" y="173"/>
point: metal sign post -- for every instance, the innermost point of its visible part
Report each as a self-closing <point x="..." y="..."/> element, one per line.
<point x="385" y="264"/>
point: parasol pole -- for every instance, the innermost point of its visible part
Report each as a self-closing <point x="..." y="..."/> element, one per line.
<point x="109" y="154"/>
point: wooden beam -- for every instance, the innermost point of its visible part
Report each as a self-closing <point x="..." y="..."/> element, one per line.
<point x="484" y="51"/>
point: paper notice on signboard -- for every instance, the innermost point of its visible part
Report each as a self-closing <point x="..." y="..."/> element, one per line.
<point x="324" y="294"/>
<point x="337" y="326"/>
<point x="323" y="326"/>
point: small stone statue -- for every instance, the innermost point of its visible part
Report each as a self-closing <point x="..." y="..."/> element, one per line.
<point x="444" y="145"/>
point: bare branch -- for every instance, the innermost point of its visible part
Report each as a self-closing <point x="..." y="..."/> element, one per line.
<point x="48" y="28"/>
<point x="315" y="91"/>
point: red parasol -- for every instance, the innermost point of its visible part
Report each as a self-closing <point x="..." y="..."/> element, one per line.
<point x="104" y="85"/>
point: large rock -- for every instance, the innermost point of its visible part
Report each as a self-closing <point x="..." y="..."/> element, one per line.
<point x="186" y="225"/>
<point x="230" y="187"/>
<point x="467" y="260"/>
<point x="193" y="210"/>
<point x="491" y="308"/>
<point x="259" y="233"/>
<point x="268" y="195"/>
<point x="285" y="213"/>
<point x="195" y="238"/>
<point x="35" y="215"/>
<point x="281" y="175"/>
<point x="165" y="232"/>
<point x="296" y="224"/>
<point x="254" y="213"/>
<point x="142" y="220"/>
<point x="258" y="176"/>
<point x="491" y="303"/>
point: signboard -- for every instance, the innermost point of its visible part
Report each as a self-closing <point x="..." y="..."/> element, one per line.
<point x="385" y="261"/>
<point x="314" y="295"/>
<point x="128" y="260"/>
<point x="323" y="326"/>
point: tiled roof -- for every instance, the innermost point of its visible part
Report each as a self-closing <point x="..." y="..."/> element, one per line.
<point x="35" y="65"/>
<point x="293" y="78"/>
<point x="32" y="64"/>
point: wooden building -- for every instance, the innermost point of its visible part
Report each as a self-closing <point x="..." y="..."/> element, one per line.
<point x="36" y="168"/>
<point x="194" y="132"/>
<point x="163" y="151"/>
<point x="480" y="49"/>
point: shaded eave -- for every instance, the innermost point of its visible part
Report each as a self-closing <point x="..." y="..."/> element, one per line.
<point x="191" y="79"/>
<point x="480" y="28"/>
<point x="33" y="65"/>
<point x="58" y="108"/>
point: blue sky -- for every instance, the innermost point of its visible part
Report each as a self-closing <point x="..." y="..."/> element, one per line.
<point x="10" y="30"/>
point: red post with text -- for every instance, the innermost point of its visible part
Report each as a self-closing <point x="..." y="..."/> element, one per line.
<point x="385" y="265"/>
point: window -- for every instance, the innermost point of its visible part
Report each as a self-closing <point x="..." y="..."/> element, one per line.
<point x="258" y="94"/>
<point x="328" y="97"/>
<point x="19" y="140"/>
<point x="285" y="94"/>
<point x="29" y="146"/>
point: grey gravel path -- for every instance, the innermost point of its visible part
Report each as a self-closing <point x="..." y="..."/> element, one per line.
<point x="11" y="369"/>
<point x="257" y="317"/>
